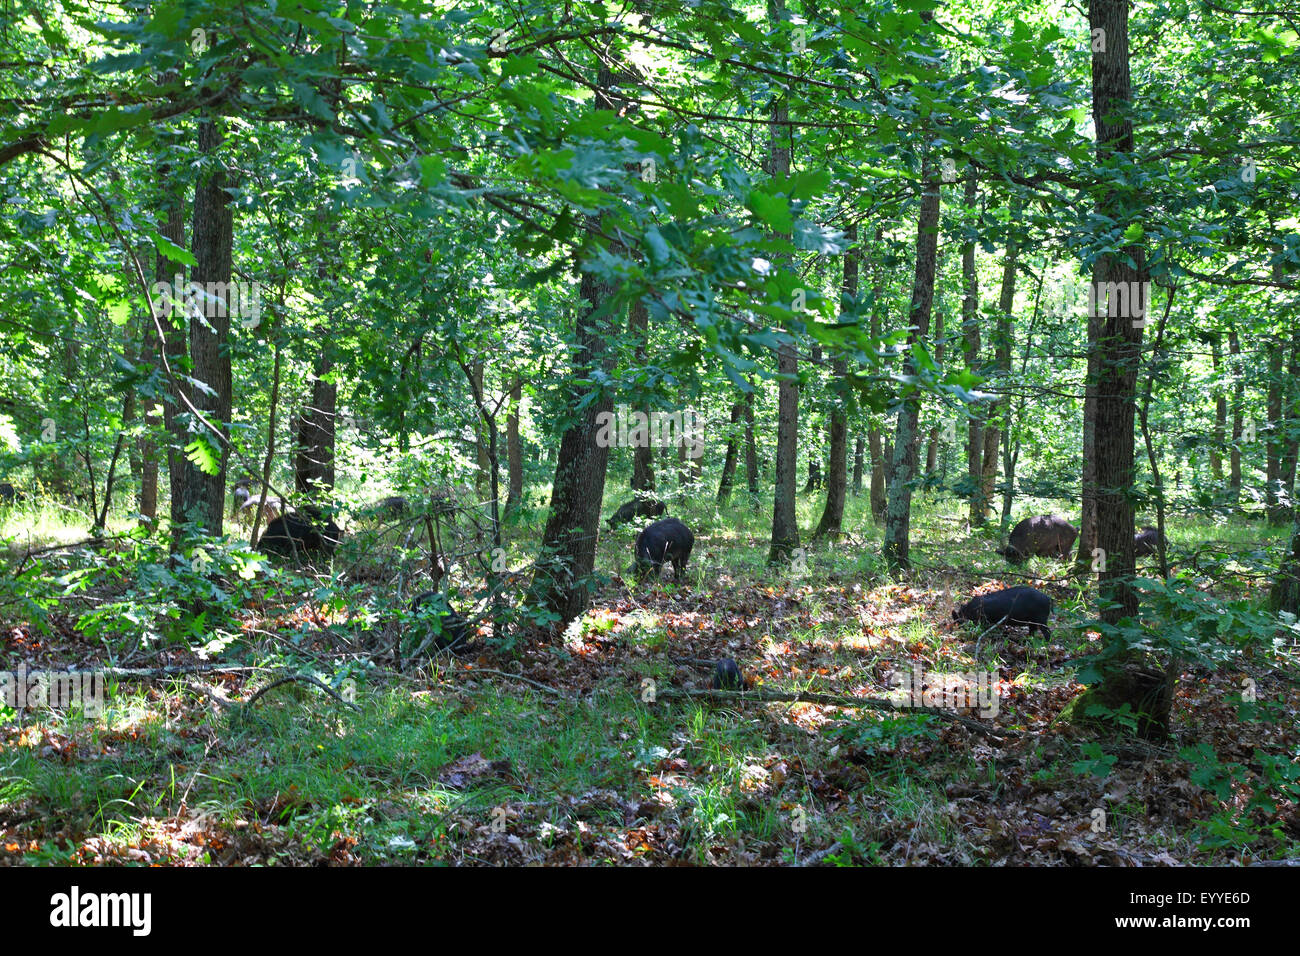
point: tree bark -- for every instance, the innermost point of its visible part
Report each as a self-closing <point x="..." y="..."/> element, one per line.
<point x="1220" y="412"/>
<point x="203" y="496"/>
<point x="568" y="549"/>
<point x="971" y="352"/>
<point x="1285" y="593"/>
<point x="1290" y="434"/>
<point x="514" y="450"/>
<point x="1273" y="432"/>
<point x="643" y="467"/>
<point x="858" y="456"/>
<point x="751" y="452"/>
<point x="176" y="418"/>
<point x="932" y="450"/>
<point x="879" y="458"/>
<point x="1088" y="485"/>
<point x="733" y="447"/>
<point x="482" y="440"/>
<point x="313" y="469"/>
<point x="785" y="525"/>
<point x="837" y="473"/>
<point x="898" y="515"/>
<point x="1238" y="404"/>
<point x="997" y="426"/>
<point x="1124" y="680"/>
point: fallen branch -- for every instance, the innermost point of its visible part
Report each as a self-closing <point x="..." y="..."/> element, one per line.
<point x="304" y="679"/>
<point x="858" y="703"/>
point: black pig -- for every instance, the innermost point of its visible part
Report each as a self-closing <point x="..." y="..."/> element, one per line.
<point x="638" y="507"/>
<point x="1014" y="606"/>
<point x="1147" y="542"/>
<point x="454" y="631"/>
<point x="300" y="535"/>
<point x="1042" y="535"/>
<point x="727" y="676"/>
<point x="664" y="540"/>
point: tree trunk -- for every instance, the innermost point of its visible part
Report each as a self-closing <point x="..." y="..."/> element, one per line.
<point x="814" y="464"/>
<point x="932" y="450"/>
<point x="898" y="515"/>
<point x="1277" y="513"/>
<point x="1285" y="593"/>
<point x="858" y="449"/>
<point x="997" y="426"/>
<point x="837" y="473"/>
<point x="1125" y="680"/>
<point x="203" y="496"/>
<point x="1220" y="412"/>
<point x="971" y="352"/>
<point x="568" y="550"/>
<point x="1238" y="404"/>
<point x="514" y="450"/>
<point x="313" y="468"/>
<point x="1088" y="485"/>
<point x="751" y="452"/>
<point x="785" y="526"/>
<point x="1290" y="434"/>
<point x="176" y="416"/>
<point x="733" y="448"/>
<point x="643" y="467"/>
<point x="879" y="459"/>
<point x="482" y="440"/>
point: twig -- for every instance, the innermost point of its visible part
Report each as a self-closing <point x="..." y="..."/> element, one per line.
<point x="518" y="677"/>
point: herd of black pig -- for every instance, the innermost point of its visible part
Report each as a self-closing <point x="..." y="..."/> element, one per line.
<point x="1049" y="536"/>
<point x="669" y="540"/>
<point x="310" y="532"/>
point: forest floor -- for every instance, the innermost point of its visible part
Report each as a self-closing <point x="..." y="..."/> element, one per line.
<point x="580" y="749"/>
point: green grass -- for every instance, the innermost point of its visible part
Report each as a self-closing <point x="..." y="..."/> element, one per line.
<point x="298" y="775"/>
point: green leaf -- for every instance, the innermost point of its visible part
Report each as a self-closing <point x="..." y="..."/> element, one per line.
<point x="773" y="211"/>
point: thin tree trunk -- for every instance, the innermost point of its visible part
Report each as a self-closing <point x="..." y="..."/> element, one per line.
<point x="971" y="350"/>
<point x="1220" y="412"/>
<point x="837" y="473"/>
<point x="643" y="469"/>
<point x="785" y="526"/>
<point x="751" y="452"/>
<point x="1290" y="433"/>
<point x="997" y="426"/>
<point x="1238" y="404"/>
<point x="1088" y="485"/>
<point x="482" y="441"/>
<point x="898" y="514"/>
<point x="859" y="446"/>
<point x="879" y="458"/>
<point x="932" y="451"/>
<point x="204" y="495"/>
<point x="176" y="347"/>
<point x="1277" y="513"/>
<point x="514" y="449"/>
<point x="733" y="446"/>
